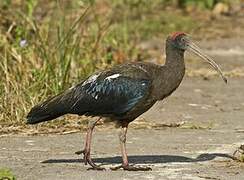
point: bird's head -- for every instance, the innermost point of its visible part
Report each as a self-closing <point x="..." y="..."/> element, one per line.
<point x="182" y="41"/>
<point x="179" y="40"/>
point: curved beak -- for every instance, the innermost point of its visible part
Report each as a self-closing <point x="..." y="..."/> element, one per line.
<point x="196" y="50"/>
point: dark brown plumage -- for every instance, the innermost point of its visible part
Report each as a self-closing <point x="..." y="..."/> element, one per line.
<point x="122" y="93"/>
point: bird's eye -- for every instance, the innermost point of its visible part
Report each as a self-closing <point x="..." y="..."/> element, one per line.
<point x="182" y="40"/>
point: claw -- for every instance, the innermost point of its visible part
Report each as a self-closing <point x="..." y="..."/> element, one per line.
<point x="116" y="168"/>
<point x="97" y="168"/>
<point x="131" y="168"/>
<point x="88" y="160"/>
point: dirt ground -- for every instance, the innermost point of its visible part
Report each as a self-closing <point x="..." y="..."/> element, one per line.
<point x="210" y="115"/>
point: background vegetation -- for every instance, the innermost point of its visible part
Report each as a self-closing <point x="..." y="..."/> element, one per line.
<point x="46" y="46"/>
<point x="6" y="173"/>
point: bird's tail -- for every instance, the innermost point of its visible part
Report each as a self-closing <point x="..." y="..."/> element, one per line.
<point x="50" y="109"/>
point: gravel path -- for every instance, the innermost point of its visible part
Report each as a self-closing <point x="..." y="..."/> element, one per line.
<point x="200" y="149"/>
<point x="212" y="115"/>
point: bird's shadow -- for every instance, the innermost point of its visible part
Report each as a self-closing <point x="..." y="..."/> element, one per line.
<point x="146" y="159"/>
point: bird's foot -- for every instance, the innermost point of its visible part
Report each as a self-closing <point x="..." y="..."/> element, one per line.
<point x="86" y="154"/>
<point x="87" y="159"/>
<point x="96" y="168"/>
<point x="93" y="165"/>
<point x="131" y="168"/>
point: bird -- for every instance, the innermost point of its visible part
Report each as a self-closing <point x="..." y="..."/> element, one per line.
<point x="122" y="93"/>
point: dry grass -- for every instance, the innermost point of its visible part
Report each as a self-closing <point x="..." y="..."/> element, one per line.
<point x="46" y="46"/>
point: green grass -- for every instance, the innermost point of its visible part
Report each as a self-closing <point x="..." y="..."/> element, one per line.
<point x="6" y="174"/>
<point x="68" y="40"/>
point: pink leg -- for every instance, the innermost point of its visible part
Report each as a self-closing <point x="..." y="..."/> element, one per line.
<point x="122" y="138"/>
<point x="125" y="164"/>
<point x="87" y="150"/>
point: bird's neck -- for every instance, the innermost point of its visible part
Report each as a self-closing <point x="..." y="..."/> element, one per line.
<point x="172" y="73"/>
<point x="174" y="57"/>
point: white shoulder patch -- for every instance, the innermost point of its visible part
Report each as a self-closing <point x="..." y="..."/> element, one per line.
<point x="91" y="79"/>
<point x="72" y="87"/>
<point x="112" y="77"/>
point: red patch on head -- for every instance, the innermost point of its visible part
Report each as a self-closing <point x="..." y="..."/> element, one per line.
<point x="176" y="34"/>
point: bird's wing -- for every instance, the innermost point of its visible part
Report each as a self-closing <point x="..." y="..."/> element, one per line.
<point x="109" y="93"/>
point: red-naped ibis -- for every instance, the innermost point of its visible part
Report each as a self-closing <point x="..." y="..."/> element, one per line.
<point x="122" y="93"/>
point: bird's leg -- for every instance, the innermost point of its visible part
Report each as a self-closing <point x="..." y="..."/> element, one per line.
<point x="125" y="164"/>
<point x="87" y="150"/>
